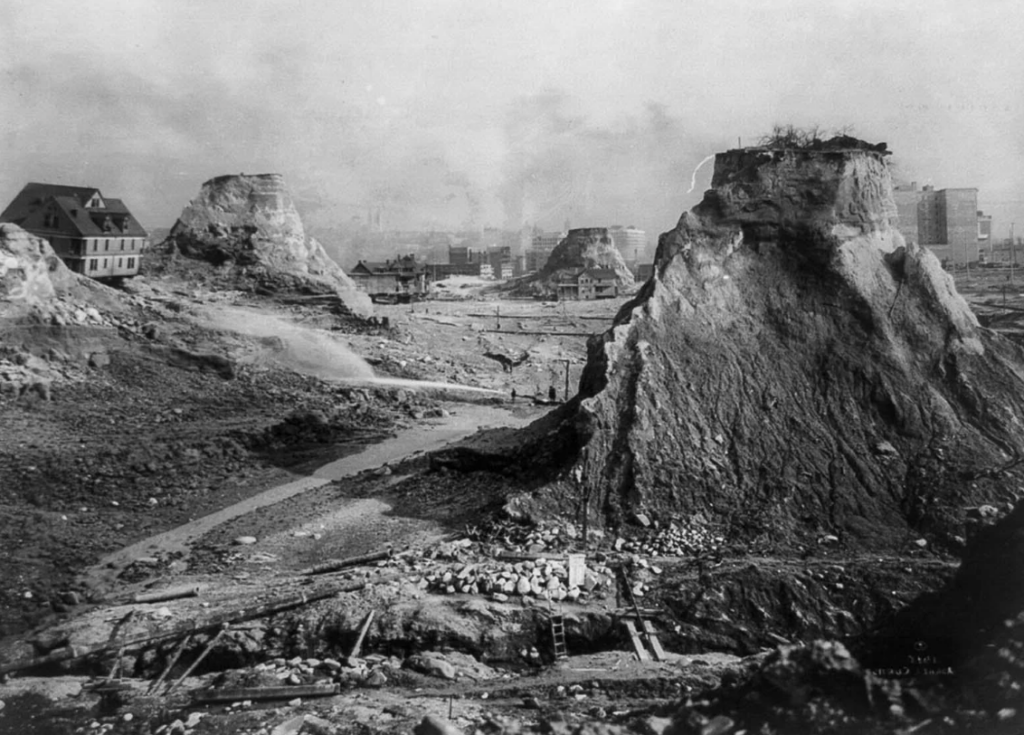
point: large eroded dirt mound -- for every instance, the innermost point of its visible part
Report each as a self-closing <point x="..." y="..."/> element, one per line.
<point x="793" y="369"/>
<point x="250" y="222"/>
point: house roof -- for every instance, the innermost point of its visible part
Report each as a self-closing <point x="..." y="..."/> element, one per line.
<point x="402" y="267"/>
<point x="78" y="220"/>
<point x="600" y="274"/>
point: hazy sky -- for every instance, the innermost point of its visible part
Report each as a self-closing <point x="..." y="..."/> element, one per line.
<point x="450" y="112"/>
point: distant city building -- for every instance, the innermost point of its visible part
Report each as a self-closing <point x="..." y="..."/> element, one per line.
<point x="440" y="271"/>
<point x="499" y="257"/>
<point x="460" y="255"/>
<point x="94" y="235"/>
<point x="541" y="246"/>
<point x="946" y="221"/>
<point x="630" y="241"/>
<point x="984" y="226"/>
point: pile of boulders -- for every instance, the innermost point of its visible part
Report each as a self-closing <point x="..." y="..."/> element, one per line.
<point x="672" y="540"/>
<point x="533" y="539"/>
<point x="371" y="670"/>
<point x="541" y="578"/>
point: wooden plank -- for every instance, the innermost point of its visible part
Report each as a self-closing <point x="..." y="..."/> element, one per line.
<point x="652" y="639"/>
<point x="260" y="693"/>
<point x="638" y="646"/>
<point x="335" y="565"/>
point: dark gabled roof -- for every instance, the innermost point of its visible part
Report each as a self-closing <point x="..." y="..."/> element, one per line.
<point x="77" y="220"/>
<point x="369" y="266"/>
<point x="404" y="266"/>
<point x="600" y="274"/>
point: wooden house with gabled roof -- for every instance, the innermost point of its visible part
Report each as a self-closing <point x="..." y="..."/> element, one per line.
<point x="94" y="235"/>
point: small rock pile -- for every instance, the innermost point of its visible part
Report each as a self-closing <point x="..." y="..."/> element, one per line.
<point x="542" y="579"/>
<point x="533" y="539"/>
<point x="672" y="540"/>
<point x="372" y="670"/>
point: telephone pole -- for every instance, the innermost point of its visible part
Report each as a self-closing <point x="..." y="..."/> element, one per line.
<point x="1013" y="253"/>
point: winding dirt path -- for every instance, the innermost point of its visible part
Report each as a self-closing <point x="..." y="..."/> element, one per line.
<point x="466" y="420"/>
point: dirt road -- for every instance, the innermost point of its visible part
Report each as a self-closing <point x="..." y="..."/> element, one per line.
<point x="424" y="437"/>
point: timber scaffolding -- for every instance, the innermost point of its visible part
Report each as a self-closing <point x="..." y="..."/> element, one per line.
<point x="214" y="622"/>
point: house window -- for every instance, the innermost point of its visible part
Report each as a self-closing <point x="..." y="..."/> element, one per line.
<point x="131" y="262"/>
<point x="106" y="245"/>
<point x="122" y="244"/>
<point x="118" y="262"/>
<point x="104" y="262"/>
<point x="92" y="265"/>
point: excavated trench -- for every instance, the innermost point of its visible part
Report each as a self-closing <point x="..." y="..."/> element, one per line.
<point x="741" y="607"/>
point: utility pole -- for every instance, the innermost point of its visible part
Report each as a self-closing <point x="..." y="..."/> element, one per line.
<point x="1013" y="253"/>
<point x="566" y="380"/>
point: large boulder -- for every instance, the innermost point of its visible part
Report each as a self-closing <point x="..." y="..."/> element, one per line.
<point x="251" y="221"/>
<point x="793" y="370"/>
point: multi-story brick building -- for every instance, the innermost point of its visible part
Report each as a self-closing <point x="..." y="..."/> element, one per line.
<point x="94" y="235"/>
<point x="947" y="221"/>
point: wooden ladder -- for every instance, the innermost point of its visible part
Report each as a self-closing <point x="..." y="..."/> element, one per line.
<point x="642" y="631"/>
<point x="558" y="635"/>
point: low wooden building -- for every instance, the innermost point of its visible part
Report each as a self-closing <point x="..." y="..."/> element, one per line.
<point x="391" y="277"/>
<point x="598" y="283"/>
<point x="94" y="235"/>
<point x="587" y="284"/>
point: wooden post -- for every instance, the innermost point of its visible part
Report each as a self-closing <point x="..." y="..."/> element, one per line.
<point x="567" y="380"/>
<point x="190" y="669"/>
<point x="362" y="634"/>
<point x="170" y="665"/>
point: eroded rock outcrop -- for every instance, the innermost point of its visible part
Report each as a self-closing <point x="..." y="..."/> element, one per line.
<point x="250" y="221"/>
<point x="794" y="369"/>
<point x="30" y="272"/>
<point x="588" y="247"/>
<point x="32" y="275"/>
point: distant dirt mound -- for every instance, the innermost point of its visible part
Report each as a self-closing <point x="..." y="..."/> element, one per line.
<point x="590" y="247"/>
<point x="581" y="249"/>
<point x="250" y="222"/>
<point x="793" y="369"/>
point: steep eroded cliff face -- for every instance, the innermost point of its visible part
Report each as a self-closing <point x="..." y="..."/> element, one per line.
<point x="794" y="369"/>
<point x="251" y="220"/>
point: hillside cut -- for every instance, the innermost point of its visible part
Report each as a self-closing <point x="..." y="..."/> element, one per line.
<point x="251" y="221"/>
<point x="794" y="370"/>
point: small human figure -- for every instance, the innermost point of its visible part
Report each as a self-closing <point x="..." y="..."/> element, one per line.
<point x="552" y="394"/>
<point x="513" y="395"/>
